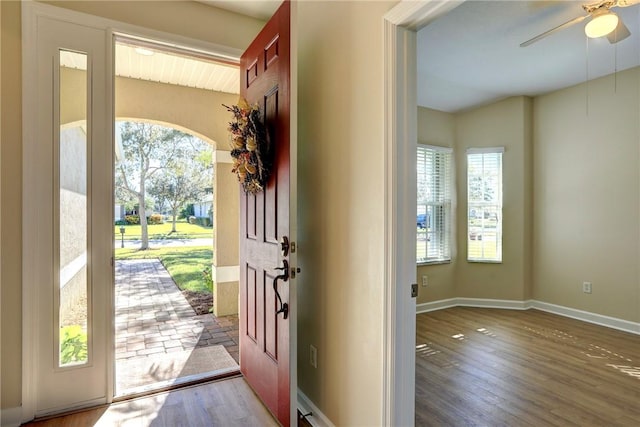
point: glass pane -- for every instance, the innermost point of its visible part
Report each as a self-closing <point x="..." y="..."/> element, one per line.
<point x="73" y="209"/>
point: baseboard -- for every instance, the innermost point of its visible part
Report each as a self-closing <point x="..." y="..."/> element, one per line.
<point x="11" y="417"/>
<point x="472" y="302"/>
<point x="317" y="418"/>
<point x="494" y="303"/>
<point x="585" y="316"/>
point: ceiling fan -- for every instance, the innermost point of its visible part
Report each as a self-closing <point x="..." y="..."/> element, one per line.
<point x="603" y="22"/>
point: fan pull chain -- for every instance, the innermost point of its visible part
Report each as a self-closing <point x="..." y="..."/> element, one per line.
<point x="587" y="75"/>
<point x="615" y="62"/>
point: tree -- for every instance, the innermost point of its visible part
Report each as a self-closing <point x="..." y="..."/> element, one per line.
<point x="147" y="150"/>
<point x="185" y="181"/>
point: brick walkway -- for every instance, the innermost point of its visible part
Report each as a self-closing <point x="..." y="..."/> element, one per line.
<point x="153" y="317"/>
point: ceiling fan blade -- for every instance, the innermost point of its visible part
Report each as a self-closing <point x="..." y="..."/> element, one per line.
<point x="620" y="33"/>
<point x="554" y="30"/>
<point x="626" y="3"/>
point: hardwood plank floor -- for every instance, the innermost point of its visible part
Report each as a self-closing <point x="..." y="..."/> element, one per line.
<point x="492" y="367"/>
<point x="230" y="402"/>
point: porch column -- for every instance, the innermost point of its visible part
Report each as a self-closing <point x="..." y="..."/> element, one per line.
<point x="226" y="205"/>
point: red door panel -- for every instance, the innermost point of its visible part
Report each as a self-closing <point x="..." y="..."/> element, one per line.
<point x="264" y="221"/>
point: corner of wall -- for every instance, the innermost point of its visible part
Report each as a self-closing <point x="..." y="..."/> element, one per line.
<point x="528" y="228"/>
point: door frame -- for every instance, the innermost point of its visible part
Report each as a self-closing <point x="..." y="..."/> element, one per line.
<point x="31" y="11"/>
<point x="400" y="138"/>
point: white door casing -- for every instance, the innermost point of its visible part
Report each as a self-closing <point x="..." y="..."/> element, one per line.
<point x="400" y="26"/>
<point x="35" y="165"/>
<point x="55" y="387"/>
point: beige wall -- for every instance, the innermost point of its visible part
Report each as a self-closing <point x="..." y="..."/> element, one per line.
<point x="185" y="18"/>
<point x="502" y="124"/>
<point x="586" y="204"/>
<point x="571" y="198"/>
<point x="11" y="236"/>
<point x="341" y="202"/>
<point x="507" y="124"/>
<point x="202" y="113"/>
<point x="438" y="128"/>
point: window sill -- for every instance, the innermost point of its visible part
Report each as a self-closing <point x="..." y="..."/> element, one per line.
<point x="422" y="263"/>
<point x="484" y="261"/>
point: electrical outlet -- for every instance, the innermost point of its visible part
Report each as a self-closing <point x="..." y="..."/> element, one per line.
<point x="586" y="287"/>
<point x="425" y="280"/>
<point x="313" y="356"/>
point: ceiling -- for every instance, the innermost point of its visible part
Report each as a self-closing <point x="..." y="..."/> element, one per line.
<point x="472" y="55"/>
<point x="177" y="69"/>
<point x="157" y="64"/>
<point x="260" y="9"/>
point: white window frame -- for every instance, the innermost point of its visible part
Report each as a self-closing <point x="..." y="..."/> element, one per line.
<point x="436" y="208"/>
<point x="477" y="226"/>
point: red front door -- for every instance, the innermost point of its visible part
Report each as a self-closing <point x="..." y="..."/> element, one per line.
<point x="264" y="223"/>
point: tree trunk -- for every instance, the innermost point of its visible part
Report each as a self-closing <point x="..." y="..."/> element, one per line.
<point x="175" y="216"/>
<point x="144" y="244"/>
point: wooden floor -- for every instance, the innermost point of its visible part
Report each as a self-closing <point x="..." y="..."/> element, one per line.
<point x="223" y="403"/>
<point x="491" y="367"/>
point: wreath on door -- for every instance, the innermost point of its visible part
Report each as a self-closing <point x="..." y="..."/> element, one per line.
<point x="249" y="147"/>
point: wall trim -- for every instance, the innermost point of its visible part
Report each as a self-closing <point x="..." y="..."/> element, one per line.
<point x="222" y="156"/>
<point x="224" y="274"/>
<point x="317" y="419"/>
<point x="585" y="316"/>
<point x="11" y="417"/>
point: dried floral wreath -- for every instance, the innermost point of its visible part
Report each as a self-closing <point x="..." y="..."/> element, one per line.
<point x="249" y="147"/>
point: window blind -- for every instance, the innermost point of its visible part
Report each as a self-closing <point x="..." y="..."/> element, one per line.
<point x="433" y="217"/>
<point x="484" y="203"/>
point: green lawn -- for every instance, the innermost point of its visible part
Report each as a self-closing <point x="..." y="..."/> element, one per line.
<point x="184" y="230"/>
<point x="185" y="265"/>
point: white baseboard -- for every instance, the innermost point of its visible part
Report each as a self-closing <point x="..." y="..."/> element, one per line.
<point x="11" y="417"/>
<point x="317" y="418"/>
<point x="585" y="316"/>
<point x="494" y="303"/>
<point x="472" y="302"/>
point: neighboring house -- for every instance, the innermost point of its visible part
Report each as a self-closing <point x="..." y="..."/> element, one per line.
<point x="204" y="208"/>
<point x="119" y="212"/>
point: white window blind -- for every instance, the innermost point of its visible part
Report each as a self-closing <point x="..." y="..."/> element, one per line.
<point x="434" y="204"/>
<point x="484" y="203"/>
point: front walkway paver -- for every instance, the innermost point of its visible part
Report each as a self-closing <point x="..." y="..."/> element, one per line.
<point x="154" y="318"/>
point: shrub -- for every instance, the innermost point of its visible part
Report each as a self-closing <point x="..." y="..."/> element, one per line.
<point x="132" y="219"/>
<point x="208" y="279"/>
<point x="121" y="222"/>
<point x="73" y="344"/>
<point x="155" y="219"/>
<point x="187" y="211"/>
<point x="204" y="221"/>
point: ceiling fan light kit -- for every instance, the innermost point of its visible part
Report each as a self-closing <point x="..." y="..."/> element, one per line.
<point x="602" y="23"/>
